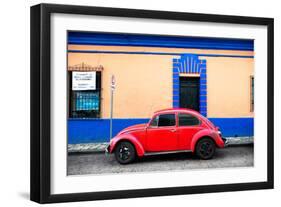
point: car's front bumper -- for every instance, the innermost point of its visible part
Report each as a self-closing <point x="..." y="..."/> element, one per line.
<point x="107" y="149"/>
<point x="226" y="142"/>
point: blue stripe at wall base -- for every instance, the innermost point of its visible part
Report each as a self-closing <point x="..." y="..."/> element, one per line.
<point x="97" y="130"/>
<point x="235" y="127"/>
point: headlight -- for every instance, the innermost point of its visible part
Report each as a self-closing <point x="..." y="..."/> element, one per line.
<point x="110" y="142"/>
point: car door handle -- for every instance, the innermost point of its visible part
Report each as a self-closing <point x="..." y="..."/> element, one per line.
<point x="173" y="130"/>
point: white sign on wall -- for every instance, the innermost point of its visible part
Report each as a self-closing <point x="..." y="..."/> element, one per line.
<point x="84" y="80"/>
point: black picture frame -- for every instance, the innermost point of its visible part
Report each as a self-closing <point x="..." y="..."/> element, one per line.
<point x="41" y="96"/>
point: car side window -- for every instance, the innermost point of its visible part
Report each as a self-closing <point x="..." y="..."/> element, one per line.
<point x="167" y="120"/>
<point x="188" y="120"/>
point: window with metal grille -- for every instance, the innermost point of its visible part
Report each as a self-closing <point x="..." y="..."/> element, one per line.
<point x="252" y="93"/>
<point x="85" y="103"/>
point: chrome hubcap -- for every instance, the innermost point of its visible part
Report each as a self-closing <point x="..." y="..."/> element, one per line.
<point x="206" y="149"/>
<point x="124" y="153"/>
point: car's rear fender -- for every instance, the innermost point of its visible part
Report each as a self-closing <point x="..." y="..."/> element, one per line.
<point x="130" y="138"/>
<point x="201" y="134"/>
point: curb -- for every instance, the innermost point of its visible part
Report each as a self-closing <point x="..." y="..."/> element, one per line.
<point x="100" y="147"/>
<point x="239" y="140"/>
<point x="87" y="147"/>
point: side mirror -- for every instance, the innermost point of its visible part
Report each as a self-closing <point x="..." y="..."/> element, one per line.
<point x="148" y="126"/>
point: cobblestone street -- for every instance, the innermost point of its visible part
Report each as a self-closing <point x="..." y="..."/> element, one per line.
<point x="98" y="163"/>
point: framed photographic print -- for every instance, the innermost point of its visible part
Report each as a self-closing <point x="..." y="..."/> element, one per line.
<point x="133" y="103"/>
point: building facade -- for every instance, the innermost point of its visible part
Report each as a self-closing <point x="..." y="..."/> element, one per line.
<point x="214" y="76"/>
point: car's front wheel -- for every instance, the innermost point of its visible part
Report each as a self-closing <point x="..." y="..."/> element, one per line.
<point x="125" y="152"/>
<point x="205" y="148"/>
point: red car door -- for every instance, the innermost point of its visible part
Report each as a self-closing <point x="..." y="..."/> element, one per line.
<point x="162" y="134"/>
<point x="188" y="126"/>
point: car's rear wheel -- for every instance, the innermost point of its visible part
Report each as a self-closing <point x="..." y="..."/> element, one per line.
<point x="125" y="152"/>
<point x="205" y="148"/>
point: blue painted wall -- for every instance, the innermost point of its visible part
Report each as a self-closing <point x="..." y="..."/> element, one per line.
<point x="232" y="127"/>
<point x="92" y="38"/>
<point x="97" y="130"/>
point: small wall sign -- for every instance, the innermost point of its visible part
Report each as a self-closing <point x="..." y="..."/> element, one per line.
<point x="83" y="81"/>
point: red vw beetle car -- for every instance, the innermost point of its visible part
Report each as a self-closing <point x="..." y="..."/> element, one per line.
<point x="169" y="131"/>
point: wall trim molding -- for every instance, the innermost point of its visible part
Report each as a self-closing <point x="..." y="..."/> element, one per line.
<point x="154" y="40"/>
<point x="155" y="53"/>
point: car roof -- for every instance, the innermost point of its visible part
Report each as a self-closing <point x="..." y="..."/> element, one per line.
<point x="173" y="110"/>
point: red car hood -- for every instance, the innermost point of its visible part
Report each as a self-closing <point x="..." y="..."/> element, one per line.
<point x="136" y="127"/>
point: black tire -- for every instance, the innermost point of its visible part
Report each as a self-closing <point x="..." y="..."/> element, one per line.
<point x="205" y="148"/>
<point x="125" y="152"/>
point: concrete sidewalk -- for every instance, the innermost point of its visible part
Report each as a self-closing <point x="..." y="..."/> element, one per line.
<point x="100" y="147"/>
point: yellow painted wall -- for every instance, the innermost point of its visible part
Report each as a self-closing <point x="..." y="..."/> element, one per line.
<point x="143" y="82"/>
<point x="228" y="86"/>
